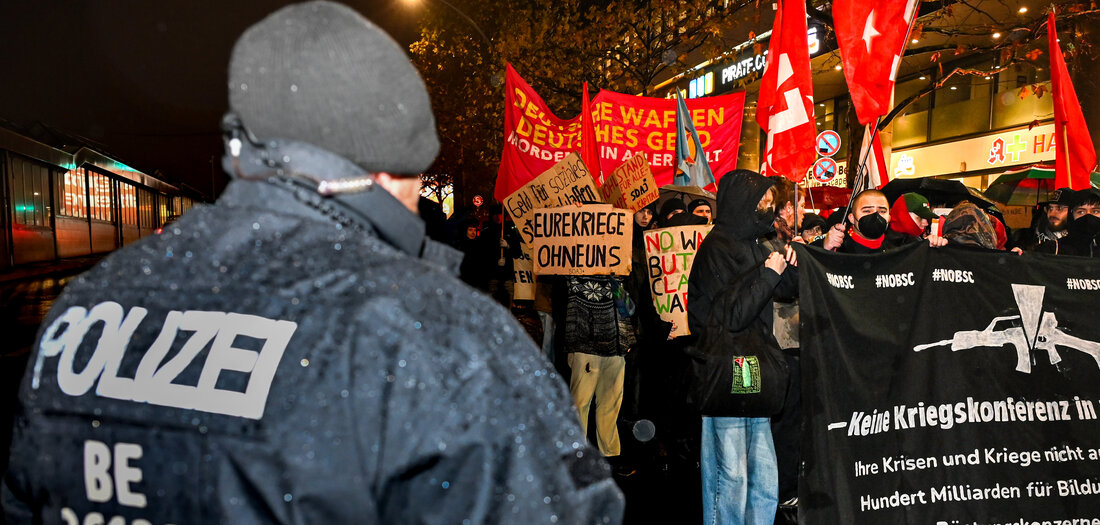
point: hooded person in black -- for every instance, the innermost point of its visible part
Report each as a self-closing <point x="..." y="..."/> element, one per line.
<point x="736" y="452"/>
<point x="299" y="352"/>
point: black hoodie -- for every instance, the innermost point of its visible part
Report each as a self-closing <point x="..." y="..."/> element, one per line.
<point x="731" y="249"/>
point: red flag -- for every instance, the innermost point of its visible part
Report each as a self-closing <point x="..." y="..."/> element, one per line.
<point x="877" y="176"/>
<point x="1076" y="157"/>
<point x="871" y="37"/>
<point x="786" y="109"/>
<point x="590" y="152"/>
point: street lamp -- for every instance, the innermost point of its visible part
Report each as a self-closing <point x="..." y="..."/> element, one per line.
<point x="463" y="15"/>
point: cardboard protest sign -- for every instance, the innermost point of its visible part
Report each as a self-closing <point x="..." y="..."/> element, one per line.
<point x="594" y="239"/>
<point x="523" y="272"/>
<point x="669" y="254"/>
<point x="567" y="182"/>
<point x="631" y="185"/>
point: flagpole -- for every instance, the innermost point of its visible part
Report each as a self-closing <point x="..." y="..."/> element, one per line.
<point x="1065" y="148"/>
<point x="861" y="172"/>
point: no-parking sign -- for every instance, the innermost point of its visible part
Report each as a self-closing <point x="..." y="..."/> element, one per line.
<point x="828" y="143"/>
<point x="824" y="170"/>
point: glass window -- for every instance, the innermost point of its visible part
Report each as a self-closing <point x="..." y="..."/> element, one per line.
<point x="961" y="105"/>
<point x="127" y="203"/>
<point x="146" y="208"/>
<point x="99" y="189"/>
<point x="1022" y="95"/>
<point x="30" y="194"/>
<point x="72" y="200"/>
<point x="831" y="114"/>
<point x="911" y="125"/>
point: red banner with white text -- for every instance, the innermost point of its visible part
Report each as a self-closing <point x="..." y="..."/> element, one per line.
<point x="626" y="125"/>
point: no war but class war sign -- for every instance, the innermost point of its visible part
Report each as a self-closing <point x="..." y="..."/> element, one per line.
<point x="949" y="386"/>
<point x="669" y="254"/>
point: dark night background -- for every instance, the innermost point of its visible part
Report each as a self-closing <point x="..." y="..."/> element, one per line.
<point x="144" y="80"/>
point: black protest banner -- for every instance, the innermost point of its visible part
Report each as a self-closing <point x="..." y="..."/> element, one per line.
<point x="949" y="386"/>
<point x="593" y="239"/>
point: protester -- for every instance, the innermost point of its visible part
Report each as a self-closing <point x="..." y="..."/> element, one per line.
<point x="1083" y="227"/>
<point x="598" y="332"/>
<point x="813" y="227"/>
<point x="869" y="218"/>
<point x="435" y="221"/>
<point x="478" y="260"/>
<point x="737" y="455"/>
<point x="345" y="374"/>
<point x="671" y="207"/>
<point x="788" y="209"/>
<point x="1058" y="213"/>
<point x="786" y="425"/>
<point x="701" y="207"/>
<point x="968" y="225"/>
<point x="650" y="331"/>
<point x="643" y="219"/>
<point x="910" y="216"/>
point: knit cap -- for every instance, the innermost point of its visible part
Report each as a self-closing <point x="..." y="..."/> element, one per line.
<point x="320" y="73"/>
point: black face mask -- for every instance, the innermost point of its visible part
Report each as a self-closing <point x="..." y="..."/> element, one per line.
<point x="765" y="216"/>
<point x="872" y="226"/>
<point x="1087" y="225"/>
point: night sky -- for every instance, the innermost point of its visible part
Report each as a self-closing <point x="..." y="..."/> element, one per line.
<point x="144" y="79"/>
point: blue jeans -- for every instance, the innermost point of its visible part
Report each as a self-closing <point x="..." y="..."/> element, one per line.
<point x="740" y="477"/>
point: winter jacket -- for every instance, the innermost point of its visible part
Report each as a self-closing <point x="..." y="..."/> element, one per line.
<point x="275" y="358"/>
<point x="594" y="321"/>
<point x="732" y="248"/>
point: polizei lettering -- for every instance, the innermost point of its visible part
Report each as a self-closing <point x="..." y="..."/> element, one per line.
<point x="153" y="381"/>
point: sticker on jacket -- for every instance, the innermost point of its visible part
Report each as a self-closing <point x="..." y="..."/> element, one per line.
<point x="746" y="375"/>
<point x="153" y="382"/>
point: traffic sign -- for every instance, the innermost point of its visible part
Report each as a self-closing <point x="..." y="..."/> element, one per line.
<point x="824" y="170"/>
<point x="828" y="143"/>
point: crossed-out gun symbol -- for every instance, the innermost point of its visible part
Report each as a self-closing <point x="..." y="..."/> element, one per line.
<point x="1048" y="337"/>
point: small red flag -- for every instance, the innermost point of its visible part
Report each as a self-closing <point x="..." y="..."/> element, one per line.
<point x="871" y="37"/>
<point x="1076" y="157"/>
<point x="786" y="108"/>
<point x="590" y="152"/>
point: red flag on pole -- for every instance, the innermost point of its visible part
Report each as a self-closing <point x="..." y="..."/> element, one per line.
<point x="1076" y="157"/>
<point x="876" y="166"/>
<point x="590" y="152"/>
<point x="786" y="108"/>
<point x="872" y="38"/>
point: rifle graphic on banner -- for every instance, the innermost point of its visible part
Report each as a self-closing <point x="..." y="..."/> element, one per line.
<point x="1041" y="332"/>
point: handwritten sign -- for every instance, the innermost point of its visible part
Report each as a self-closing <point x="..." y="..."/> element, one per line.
<point x="594" y="239"/>
<point x="669" y="254"/>
<point x="631" y="185"/>
<point x="567" y="182"/>
<point x="524" y="275"/>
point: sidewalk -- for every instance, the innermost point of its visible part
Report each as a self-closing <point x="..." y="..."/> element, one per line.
<point x="44" y="268"/>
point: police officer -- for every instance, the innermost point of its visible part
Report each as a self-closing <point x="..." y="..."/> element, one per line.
<point x="299" y="352"/>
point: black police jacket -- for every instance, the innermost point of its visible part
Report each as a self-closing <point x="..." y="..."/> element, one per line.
<point x="276" y="359"/>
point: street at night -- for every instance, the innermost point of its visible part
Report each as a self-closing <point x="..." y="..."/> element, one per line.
<point x="490" y="262"/>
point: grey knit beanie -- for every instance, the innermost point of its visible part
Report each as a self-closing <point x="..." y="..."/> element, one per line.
<point x="320" y="73"/>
